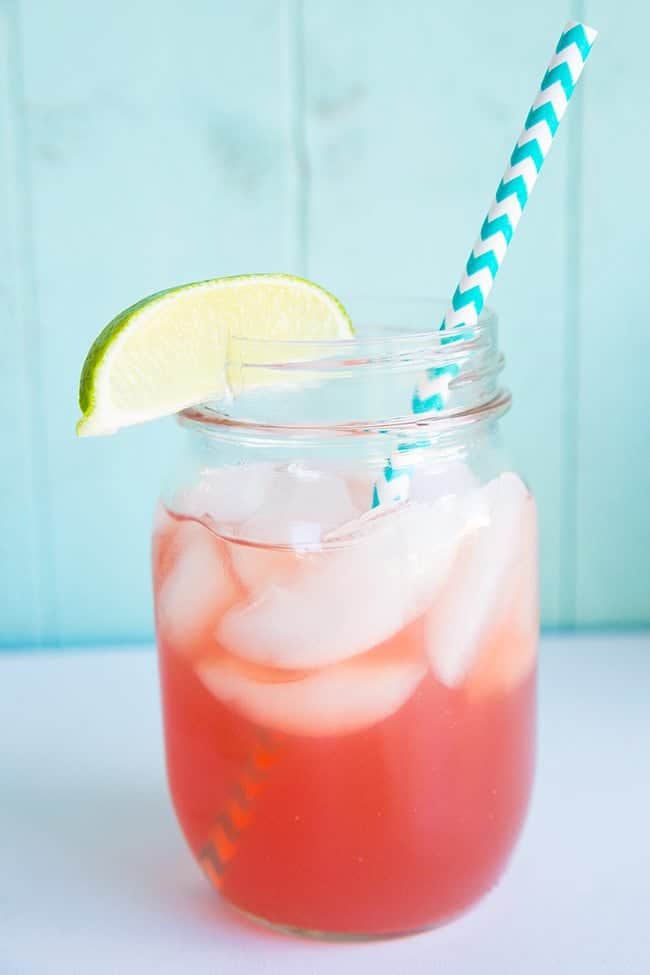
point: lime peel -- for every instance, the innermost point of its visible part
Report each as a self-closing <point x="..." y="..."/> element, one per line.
<point x="169" y="350"/>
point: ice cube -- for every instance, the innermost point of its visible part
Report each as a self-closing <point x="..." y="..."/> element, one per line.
<point x="301" y="504"/>
<point x="360" y="483"/>
<point x="225" y="496"/>
<point x="164" y="531"/>
<point x="432" y="481"/>
<point x="197" y="589"/>
<point x="469" y="605"/>
<point x="335" y="700"/>
<point x="508" y="655"/>
<point x="345" y="600"/>
<point x="525" y="602"/>
<point x="163" y="523"/>
<point x="257" y="567"/>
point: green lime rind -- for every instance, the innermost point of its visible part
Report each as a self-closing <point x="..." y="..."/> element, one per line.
<point x="106" y="417"/>
<point x="103" y="342"/>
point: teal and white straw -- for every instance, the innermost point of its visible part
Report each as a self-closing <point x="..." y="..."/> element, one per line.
<point x="513" y="193"/>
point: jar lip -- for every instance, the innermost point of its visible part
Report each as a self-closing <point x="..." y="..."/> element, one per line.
<point x="212" y="421"/>
<point x="298" y="374"/>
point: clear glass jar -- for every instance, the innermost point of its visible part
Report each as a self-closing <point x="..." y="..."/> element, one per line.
<point x="349" y="694"/>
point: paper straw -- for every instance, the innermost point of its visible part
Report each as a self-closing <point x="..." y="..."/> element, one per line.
<point x="431" y="392"/>
<point x="513" y="193"/>
<point x="238" y="810"/>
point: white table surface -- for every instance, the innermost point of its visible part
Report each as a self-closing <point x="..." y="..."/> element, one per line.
<point x="94" y="876"/>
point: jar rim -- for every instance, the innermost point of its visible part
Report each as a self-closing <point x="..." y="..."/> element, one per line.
<point x="375" y="355"/>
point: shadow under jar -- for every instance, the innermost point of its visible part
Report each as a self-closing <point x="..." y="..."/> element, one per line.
<point x="349" y="697"/>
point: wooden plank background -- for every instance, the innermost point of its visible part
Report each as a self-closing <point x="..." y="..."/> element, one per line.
<point x="358" y="144"/>
<point x="613" y="423"/>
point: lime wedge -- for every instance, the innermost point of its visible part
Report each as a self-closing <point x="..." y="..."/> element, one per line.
<point x="169" y="350"/>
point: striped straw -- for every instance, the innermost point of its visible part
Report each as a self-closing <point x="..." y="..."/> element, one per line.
<point x="513" y="193"/>
<point x="431" y="393"/>
<point x="238" y="810"/>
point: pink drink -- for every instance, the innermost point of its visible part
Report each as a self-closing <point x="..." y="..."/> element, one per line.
<point x="350" y="722"/>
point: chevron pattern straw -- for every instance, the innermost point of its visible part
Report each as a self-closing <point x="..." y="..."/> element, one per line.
<point x="513" y="193"/>
<point x="431" y="393"/>
<point x="238" y="810"/>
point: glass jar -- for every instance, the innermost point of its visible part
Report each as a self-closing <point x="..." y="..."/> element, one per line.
<point x="349" y="691"/>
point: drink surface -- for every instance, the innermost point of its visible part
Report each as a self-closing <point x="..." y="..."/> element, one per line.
<point x="350" y="714"/>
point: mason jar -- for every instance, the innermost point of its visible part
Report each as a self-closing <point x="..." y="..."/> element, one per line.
<point x="347" y="620"/>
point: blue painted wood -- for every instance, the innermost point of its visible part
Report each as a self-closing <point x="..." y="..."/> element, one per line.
<point x="613" y="455"/>
<point x="411" y="113"/>
<point x="160" y="151"/>
<point x="356" y="143"/>
<point x="23" y="522"/>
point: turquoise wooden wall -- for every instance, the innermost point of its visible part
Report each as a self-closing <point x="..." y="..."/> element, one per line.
<point x="143" y="144"/>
